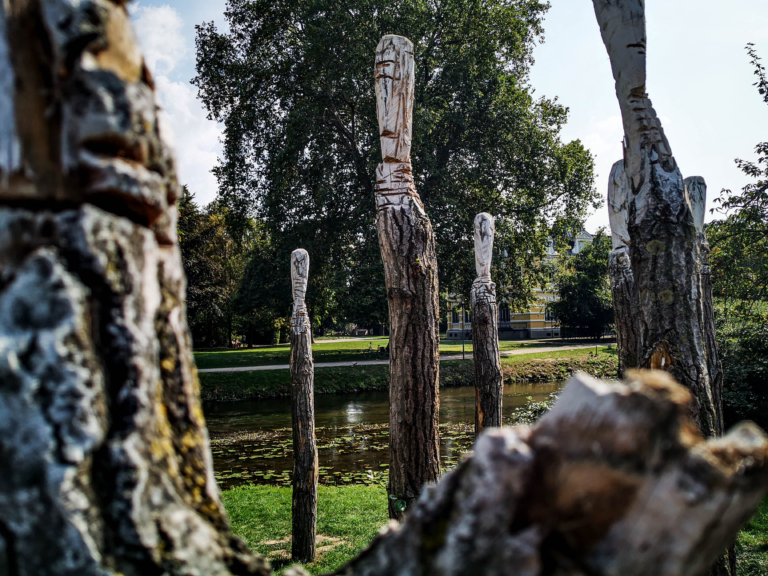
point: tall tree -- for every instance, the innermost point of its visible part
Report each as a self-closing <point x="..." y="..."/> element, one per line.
<point x="290" y="81"/>
<point x="584" y="306"/>
<point x="105" y="462"/>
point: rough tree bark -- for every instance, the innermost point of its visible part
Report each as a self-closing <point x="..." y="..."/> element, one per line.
<point x="485" y="331"/>
<point x="305" y="467"/>
<point x="103" y="450"/>
<point x="104" y="454"/>
<point x="664" y="249"/>
<point x="410" y="268"/>
<point x="626" y="307"/>
<point x="614" y="481"/>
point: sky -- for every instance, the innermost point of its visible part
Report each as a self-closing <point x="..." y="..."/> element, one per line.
<point x="699" y="79"/>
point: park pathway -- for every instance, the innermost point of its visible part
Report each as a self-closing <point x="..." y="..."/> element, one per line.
<point x="443" y="358"/>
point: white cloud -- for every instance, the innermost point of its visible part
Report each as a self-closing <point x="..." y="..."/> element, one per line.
<point x="159" y="29"/>
<point x="183" y="119"/>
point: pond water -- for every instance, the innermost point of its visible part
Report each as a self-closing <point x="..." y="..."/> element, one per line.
<point x="251" y="440"/>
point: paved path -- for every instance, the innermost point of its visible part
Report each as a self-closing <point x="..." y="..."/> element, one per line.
<point x="443" y="358"/>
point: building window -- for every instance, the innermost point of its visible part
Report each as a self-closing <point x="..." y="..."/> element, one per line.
<point x="548" y="316"/>
<point x="454" y="316"/>
<point x="504" y="315"/>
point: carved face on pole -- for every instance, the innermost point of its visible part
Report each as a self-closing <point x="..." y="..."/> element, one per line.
<point x="299" y="279"/>
<point x="618" y="205"/>
<point x="101" y="142"/>
<point x="394" y="73"/>
<point x="484" y="231"/>
<point x="696" y="190"/>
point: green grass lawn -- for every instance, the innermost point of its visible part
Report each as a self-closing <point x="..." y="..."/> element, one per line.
<point x="330" y="351"/>
<point x="752" y="544"/>
<point x="536" y="367"/>
<point x="349" y="517"/>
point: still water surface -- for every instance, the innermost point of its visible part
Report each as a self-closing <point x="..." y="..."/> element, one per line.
<point x="251" y="440"/>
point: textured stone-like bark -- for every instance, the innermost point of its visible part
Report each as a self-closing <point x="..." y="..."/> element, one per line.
<point x="615" y="481"/>
<point x="665" y="253"/>
<point x="104" y="454"/>
<point x="696" y="190"/>
<point x="305" y="467"/>
<point x="626" y="307"/>
<point x="407" y="247"/>
<point x="485" y="331"/>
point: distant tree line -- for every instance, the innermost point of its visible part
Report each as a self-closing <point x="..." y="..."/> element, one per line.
<point x="292" y="84"/>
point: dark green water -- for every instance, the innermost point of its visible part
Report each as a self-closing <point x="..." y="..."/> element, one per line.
<point x="251" y="440"/>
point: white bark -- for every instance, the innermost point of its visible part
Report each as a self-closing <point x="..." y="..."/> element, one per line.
<point x="410" y="270"/>
<point x="485" y="331"/>
<point x="672" y="325"/>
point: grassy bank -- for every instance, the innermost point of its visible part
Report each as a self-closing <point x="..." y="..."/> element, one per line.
<point x="330" y="351"/>
<point x="541" y="367"/>
<point x="752" y="544"/>
<point x="350" y="516"/>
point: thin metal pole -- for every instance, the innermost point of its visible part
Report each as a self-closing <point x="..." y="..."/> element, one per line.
<point x="463" y="312"/>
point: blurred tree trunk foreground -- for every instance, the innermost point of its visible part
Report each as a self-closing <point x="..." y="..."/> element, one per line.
<point x="105" y="462"/>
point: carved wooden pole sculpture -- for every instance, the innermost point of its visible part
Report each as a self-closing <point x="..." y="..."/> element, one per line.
<point x="410" y="268"/>
<point x="665" y="255"/>
<point x="305" y="467"/>
<point x="104" y="460"/>
<point x="485" y="331"/>
<point x="625" y="303"/>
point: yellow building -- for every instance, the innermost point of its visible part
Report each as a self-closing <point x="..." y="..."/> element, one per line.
<point x="537" y="322"/>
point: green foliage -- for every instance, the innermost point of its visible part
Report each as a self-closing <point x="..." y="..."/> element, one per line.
<point x="213" y="262"/>
<point x="584" y="305"/>
<point x="752" y="544"/>
<point x="292" y="83"/>
<point x="740" y="278"/>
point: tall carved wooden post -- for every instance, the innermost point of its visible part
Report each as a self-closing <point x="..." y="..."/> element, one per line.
<point x="104" y="460"/>
<point x="410" y="269"/>
<point x="305" y="467"/>
<point x="664" y="248"/>
<point x="485" y="331"/>
<point x="625" y="303"/>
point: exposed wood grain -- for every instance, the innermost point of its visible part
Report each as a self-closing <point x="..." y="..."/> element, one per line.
<point x="410" y="269"/>
<point x="305" y="466"/>
<point x="485" y="331"/>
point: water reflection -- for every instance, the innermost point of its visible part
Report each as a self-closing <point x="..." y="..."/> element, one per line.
<point x="251" y="440"/>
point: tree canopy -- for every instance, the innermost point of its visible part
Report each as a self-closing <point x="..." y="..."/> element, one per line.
<point x="292" y="83"/>
<point x="584" y="306"/>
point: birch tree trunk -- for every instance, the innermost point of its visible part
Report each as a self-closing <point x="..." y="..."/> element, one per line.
<point x="485" y="331"/>
<point x="305" y="466"/>
<point x="104" y="457"/>
<point x="626" y="307"/>
<point x="665" y="252"/>
<point x="410" y="268"/>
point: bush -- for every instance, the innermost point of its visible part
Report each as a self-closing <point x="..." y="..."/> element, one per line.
<point x="744" y="354"/>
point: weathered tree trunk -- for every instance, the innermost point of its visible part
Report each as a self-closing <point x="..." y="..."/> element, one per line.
<point x="664" y="248"/>
<point x="696" y="190"/>
<point x="103" y="450"/>
<point x="410" y="268"/>
<point x="485" y="331"/>
<point x="626" y="307"/>
<point x="614" y="481"/>
<point x="104" y="457"/>
<point x="305" y="467"/>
